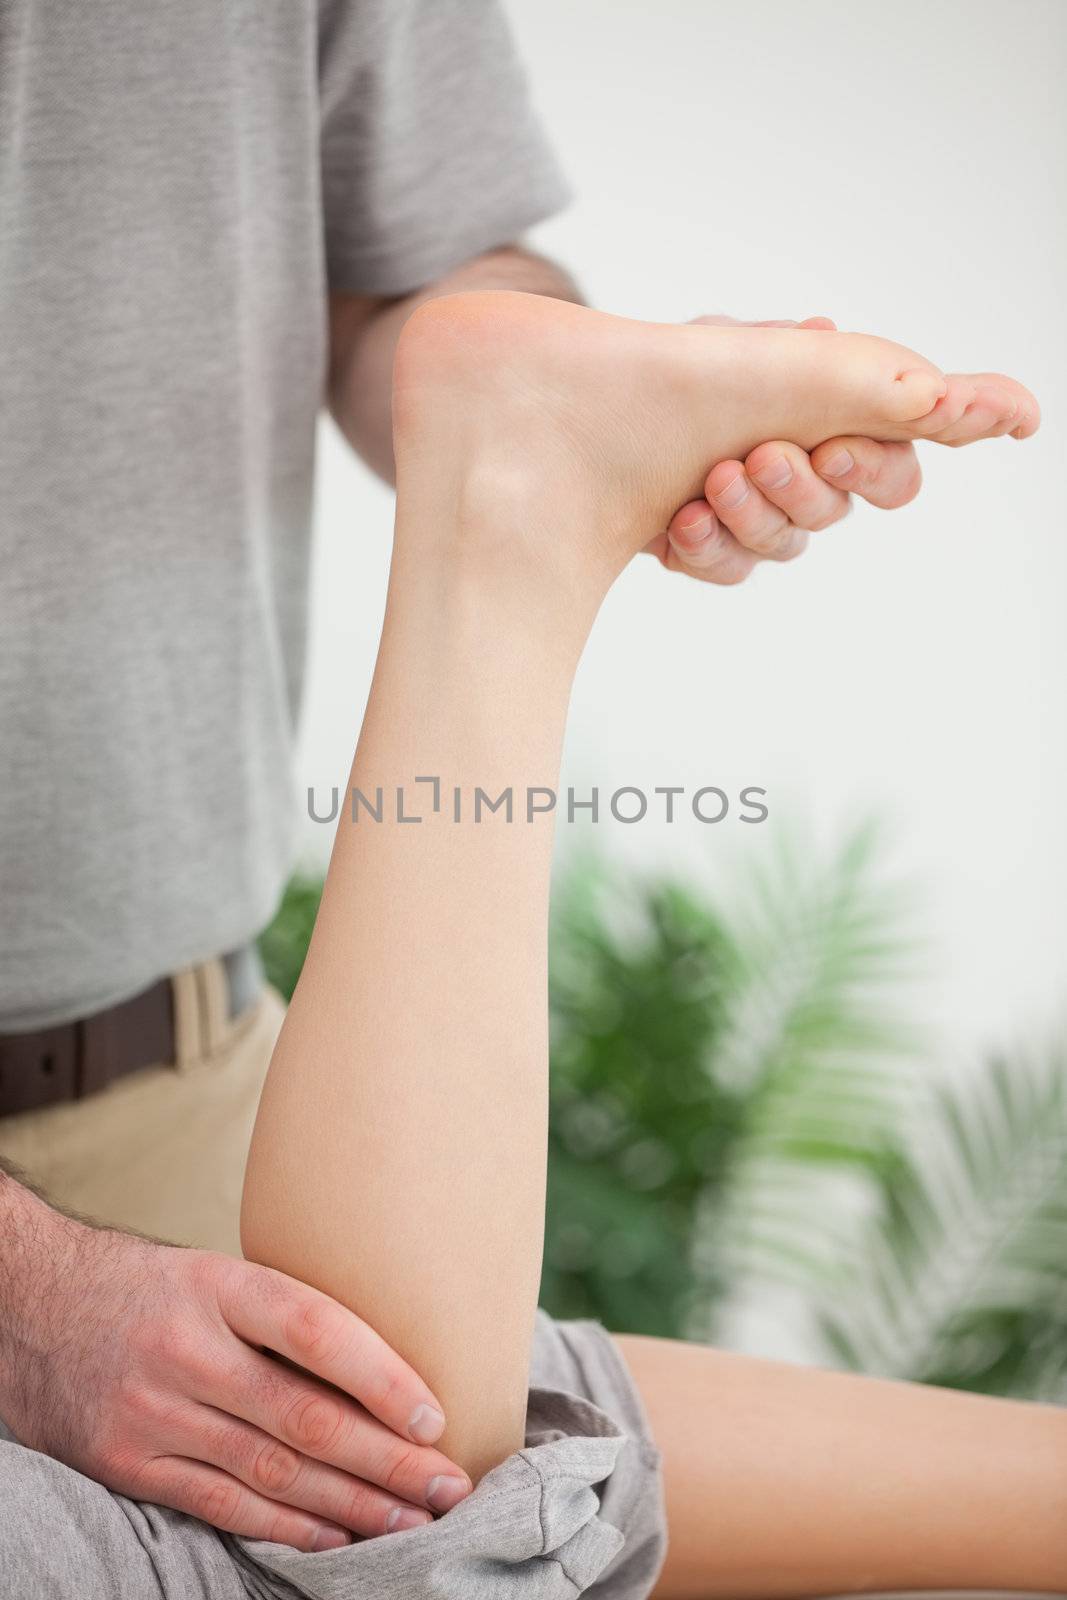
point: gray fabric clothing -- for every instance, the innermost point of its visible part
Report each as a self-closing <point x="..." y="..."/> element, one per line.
<point x="578" y="1511"/>
<point x="179" y="185"/>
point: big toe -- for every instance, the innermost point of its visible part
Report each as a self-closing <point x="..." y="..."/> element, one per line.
<point x="869" y="387"/>
<point x="914" y="392"/>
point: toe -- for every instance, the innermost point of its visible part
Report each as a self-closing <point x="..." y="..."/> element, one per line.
<point x="960" y="391"/>
<point x="1030" y="421"/>
<point x="985" y="405"/>
<point x="1019" y="412"/>
<point x="915" y="392"/>
<point x="987" y="416"/>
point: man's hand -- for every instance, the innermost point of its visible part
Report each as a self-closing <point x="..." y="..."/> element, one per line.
<point x="764" y="508"/>
<point x="141" y="1365"/>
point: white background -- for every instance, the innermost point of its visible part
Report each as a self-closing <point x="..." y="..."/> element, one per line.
<point x="898" y="167"/>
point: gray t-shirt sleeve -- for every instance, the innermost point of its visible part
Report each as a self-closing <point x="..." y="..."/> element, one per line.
<point x="431" y="149"/>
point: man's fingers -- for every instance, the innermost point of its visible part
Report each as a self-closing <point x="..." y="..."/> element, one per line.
<point x="771" y="501"/>
<point x="750" y="515"/>
<point x="720" y="320"/>
<point x="268" y="1308"/>
<point x="783" y="475"/>
<point x="216" y="1498"/>
<point x="277" y="1472"/>
<point x="754" y="520"/>
<point x="698" y="544"/>
<point x="316" y="1423"/>
<point x="885" y="475"/>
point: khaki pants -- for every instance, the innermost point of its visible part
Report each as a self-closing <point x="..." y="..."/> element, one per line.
<point x="162" y="1150"/>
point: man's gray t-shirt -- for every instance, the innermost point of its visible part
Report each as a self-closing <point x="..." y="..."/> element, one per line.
<point x="180" y="185"/>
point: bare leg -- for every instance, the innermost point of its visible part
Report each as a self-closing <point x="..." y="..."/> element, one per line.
<point x="785" y="1481"/>
<point x="399" y="1156"/>
<point x="398" y="1161"/>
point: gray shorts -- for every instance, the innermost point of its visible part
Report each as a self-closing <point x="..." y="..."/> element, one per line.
<point x="578" y="1511"/>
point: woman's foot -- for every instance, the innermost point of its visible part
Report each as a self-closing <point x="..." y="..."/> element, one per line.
<point x="536" y="404"/>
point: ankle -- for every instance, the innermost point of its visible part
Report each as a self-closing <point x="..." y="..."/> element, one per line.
<point x="496" y="543"/>
<point x="497" y="402"/>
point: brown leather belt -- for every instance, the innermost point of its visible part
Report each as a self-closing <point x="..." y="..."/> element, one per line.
<point x="75" y="1059"/>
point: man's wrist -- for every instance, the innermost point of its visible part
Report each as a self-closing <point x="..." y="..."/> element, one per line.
<point x="36" y="1243"/>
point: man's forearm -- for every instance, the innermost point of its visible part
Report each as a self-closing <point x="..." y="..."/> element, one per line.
<point x="364" y="332"/>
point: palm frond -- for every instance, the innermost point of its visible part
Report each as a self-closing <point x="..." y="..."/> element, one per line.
<point x="962" y="1279"/>
<point x="824" y="946"/>
<point x="639" y="1129"/>
<point x="814" y="1043"/>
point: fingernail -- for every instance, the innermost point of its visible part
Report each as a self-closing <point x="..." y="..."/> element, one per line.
<point x="330" y="1539"/>
<point x="401" y="1518"/>
<point x="693" y="532"/>
<point x="426" y="1425"/>
<point x="839" y="463"/>
<point x="735" y="493"/>
<point x="775" y="475"/>
<point x="443" y="1492"/>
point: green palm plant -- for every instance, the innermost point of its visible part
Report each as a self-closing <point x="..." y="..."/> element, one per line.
<point x="721" y="1073"/>
<point x="640" y="1131"/>
<point x="962" y="1280"/>
<point x="736" y="1105"/>
<point x="815" y="1039"/>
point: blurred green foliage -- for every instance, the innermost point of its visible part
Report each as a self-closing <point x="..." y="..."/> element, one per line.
<point x="640" y="1131"/>
<point x="284" y="943"/>
<point x="736" y="1105"/>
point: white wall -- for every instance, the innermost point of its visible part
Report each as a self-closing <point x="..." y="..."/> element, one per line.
<point x="899" y="167"/>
